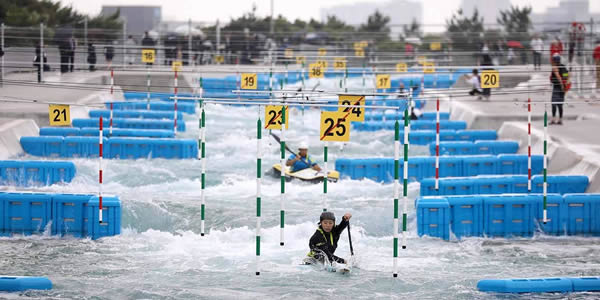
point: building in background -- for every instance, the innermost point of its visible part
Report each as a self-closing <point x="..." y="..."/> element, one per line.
<point x="488" y="9"/>
<point x="401" y="12"/>
<point x="138" y="18"/>
<point x="560" y="17"/>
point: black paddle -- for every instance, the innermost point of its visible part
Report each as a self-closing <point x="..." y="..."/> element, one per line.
<point x="279" y="141"/>
<point x="350" y="240"/>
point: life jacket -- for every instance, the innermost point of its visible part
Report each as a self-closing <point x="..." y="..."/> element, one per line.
<point x="312" y="253"/>
<point x="564" y="77"/>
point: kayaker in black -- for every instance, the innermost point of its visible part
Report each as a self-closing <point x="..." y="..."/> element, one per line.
<point x="324" y="241"/>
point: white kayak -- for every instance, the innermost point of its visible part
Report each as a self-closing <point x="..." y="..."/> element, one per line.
<point x="306" y="174"/>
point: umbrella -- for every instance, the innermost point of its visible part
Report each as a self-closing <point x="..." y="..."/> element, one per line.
<point x="185" y="29"/>
<point x="413" y="40"/>
<point x="514" y="44"/>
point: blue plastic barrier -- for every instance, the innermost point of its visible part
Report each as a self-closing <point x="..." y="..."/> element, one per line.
<point x="582" y="213"/>
<point x="466" y="215"/>
<point x="562" y="184"/>
<point x="143" y="114"/>
<point x="534" y="285"/>
<point x="24" y="213"/>
<point x="60" y="131"/>
<point x="480" y="165"/>
<point x="49" y="146"/>
<point x="130" y="123"/>
<point x="124" y="132"/>
<point x="517" y="164"/>
<point x="496" y="147"/>
<point x="111" y="217"/>
<point x="70" y="214"/>
<point x="556" y="218"/>
<point x="509" y="216"/>
<point x="35" y="173"/>
<point x="189" y="108"/>
<point x="23" y="283"/>
<point x="476" y="148"/>
<point x="453" y="148"/>
<point x="476" y="135"/>
<point x="433" y="217"/>
<point x="114" y="147"/>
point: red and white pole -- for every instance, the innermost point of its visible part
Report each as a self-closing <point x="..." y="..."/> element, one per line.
<point x="112" y="81"/>
<point x="175" y="104"/>
<point x="437" y="144"/>
<point x="100" y="172"/>
<point x="529" y="145"/>
<point x="111" y="120"/>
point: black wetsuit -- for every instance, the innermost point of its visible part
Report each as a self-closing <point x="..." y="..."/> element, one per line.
<point x="558" y="95"/>
<point x="326" y="242"/>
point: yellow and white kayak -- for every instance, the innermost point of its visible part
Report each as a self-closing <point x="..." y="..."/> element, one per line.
<point x="306" y="174"/>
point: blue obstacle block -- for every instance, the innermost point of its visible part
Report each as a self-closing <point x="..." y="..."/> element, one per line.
<point x="444" y="124"/>
<point x="125" y="132"/>
<point x="130" y="123"/>
<point x="582" y="213"/>
<point x="143" y="114"/>
<point x="35" y="173"/>
<point x="431" y="115"/>
<point x="416" y="168"/>
<point x="496" y="147"/>
<point x="69" y="214"/>
<point x="11" y="172"/>
<point x="586" y="284"/>
<point x="22" y="283"/>
<point x="164" y="148"/>
<point x="82" y="146"/>
<point x="129" y="148"/>
<point x="561" y="184"/>
<point x="466" y="215"/>
<point x="476" y="135"/>
<point x="533" y="285"/>
<point x="427" y="187"/>
<point x="450" y="166"/>
<point x="480" y="165"/>
<point x="457" y="186"/>
<point x="189" y="108"/>
<point x="49" y="146"/>
<point x="376" y="169"/>
<point x="111" y="217"/>
<point x="518" y="184"/>
<point x="25" y="213"/>
<point x="517" y="164"/>
<point x="433" y="217"/>
<point x="59" y="131"/>
<point x="509" y="215"/>
<point x="556" y="213"/>
<point x="344" y="167"/>
<point x="453" y="148"/>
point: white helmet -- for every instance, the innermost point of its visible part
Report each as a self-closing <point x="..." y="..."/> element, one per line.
<point x="303" y="145"/>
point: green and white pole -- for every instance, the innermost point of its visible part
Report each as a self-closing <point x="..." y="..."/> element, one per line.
<point x="271" y="81"/>
<point x="346" y="79"/>
<point x="364" y="74"/>
<point x="545" y="162"/>
<point x="282" y="164"/>
<point x="405" y="179"/>
<point x="326" y="171"/>
<point x="286" y="73"/>
<point x="258" y="194"/>
<point x="396" y="193"/>
<point x="202" y="153"/>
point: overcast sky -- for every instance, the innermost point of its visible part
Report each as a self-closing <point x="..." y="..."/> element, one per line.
<point x="435" y="11"/>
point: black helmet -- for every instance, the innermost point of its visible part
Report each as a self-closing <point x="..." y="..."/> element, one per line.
<point x="327" y="215"/>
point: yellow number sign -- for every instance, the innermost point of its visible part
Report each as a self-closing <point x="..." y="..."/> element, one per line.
<point x="429" y="67"/>
<point x="249" y="81"/>
<point x="364" y="44"/>
<point x="322" y="63"/>
<point x="359" y="52"/>
<point x="176" y="65"/>
<point x="273" y="117"/>
<point x="352" y="113"/>
<point x="148" y="55"/>
<point x="357" y="45"/>
<point x="339" y="63"/>
<point x="435" y="46"/>
<point x="401" y="68"/>
<point x="300" y="59"/>
<point x="335" y="127"/>
<point x="219" y="59"/>
<point x="59" y="115"/>
<point x="289" y="53"/>
<point x="490" y="79"/>
<point x="383" y="81"/>
<point x="421" y="60"/>
<point x="322" y="51"/>
<point x="315" y="71"/>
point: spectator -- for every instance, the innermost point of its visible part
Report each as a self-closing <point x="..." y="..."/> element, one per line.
<point x="91" y="59"/>
<point x="537" y="46"/>
<point x="597" y="60"/>
<point x="556" y="48"/>
<point x="109" y="54"/>
<point x="71" y="53"/>
<point x="474" y="81"/>
<point x="560" y="85"/>
<point x="39" y="62"/>
<point x="130" y="50"/>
